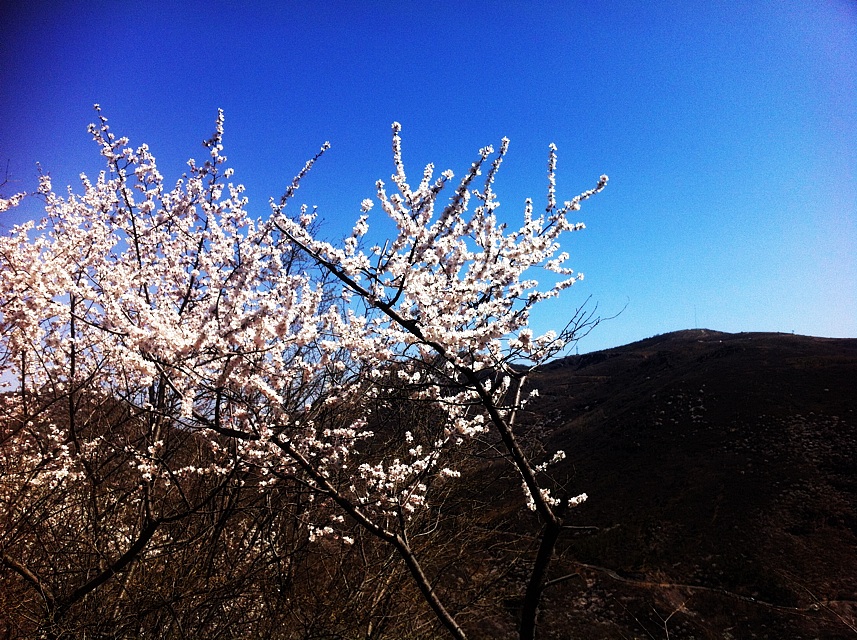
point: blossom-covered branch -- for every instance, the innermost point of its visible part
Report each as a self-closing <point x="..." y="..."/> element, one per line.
<point x="160" y="336"/>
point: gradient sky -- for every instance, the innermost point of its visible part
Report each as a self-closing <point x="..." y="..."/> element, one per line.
<point x="728" y="129"/>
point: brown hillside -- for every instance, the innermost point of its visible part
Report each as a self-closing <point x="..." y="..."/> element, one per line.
<point x="722" y="477"/>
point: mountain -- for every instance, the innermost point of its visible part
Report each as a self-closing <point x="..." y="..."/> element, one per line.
<point x="721" y="471"/>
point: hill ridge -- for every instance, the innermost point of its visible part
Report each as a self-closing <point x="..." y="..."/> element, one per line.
<point x="716" y="461"/>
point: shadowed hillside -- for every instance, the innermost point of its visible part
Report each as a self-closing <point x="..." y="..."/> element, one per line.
<point x="722" y="479"/>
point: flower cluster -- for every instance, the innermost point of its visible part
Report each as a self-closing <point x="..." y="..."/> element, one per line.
<point x="196" y="318"/>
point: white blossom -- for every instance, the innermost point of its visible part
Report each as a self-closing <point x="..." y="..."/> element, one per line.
<point x="224" y="325"/>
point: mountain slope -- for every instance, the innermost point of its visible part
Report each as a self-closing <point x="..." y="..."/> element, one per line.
<point x="726" y="463"/>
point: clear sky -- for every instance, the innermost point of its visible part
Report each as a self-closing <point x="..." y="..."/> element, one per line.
<point x="728" y="129"/>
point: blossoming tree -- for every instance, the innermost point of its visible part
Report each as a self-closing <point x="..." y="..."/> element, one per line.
<point x="162" y="348"/>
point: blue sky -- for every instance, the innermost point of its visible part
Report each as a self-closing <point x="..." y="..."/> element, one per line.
<point x="728" y="129"/>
